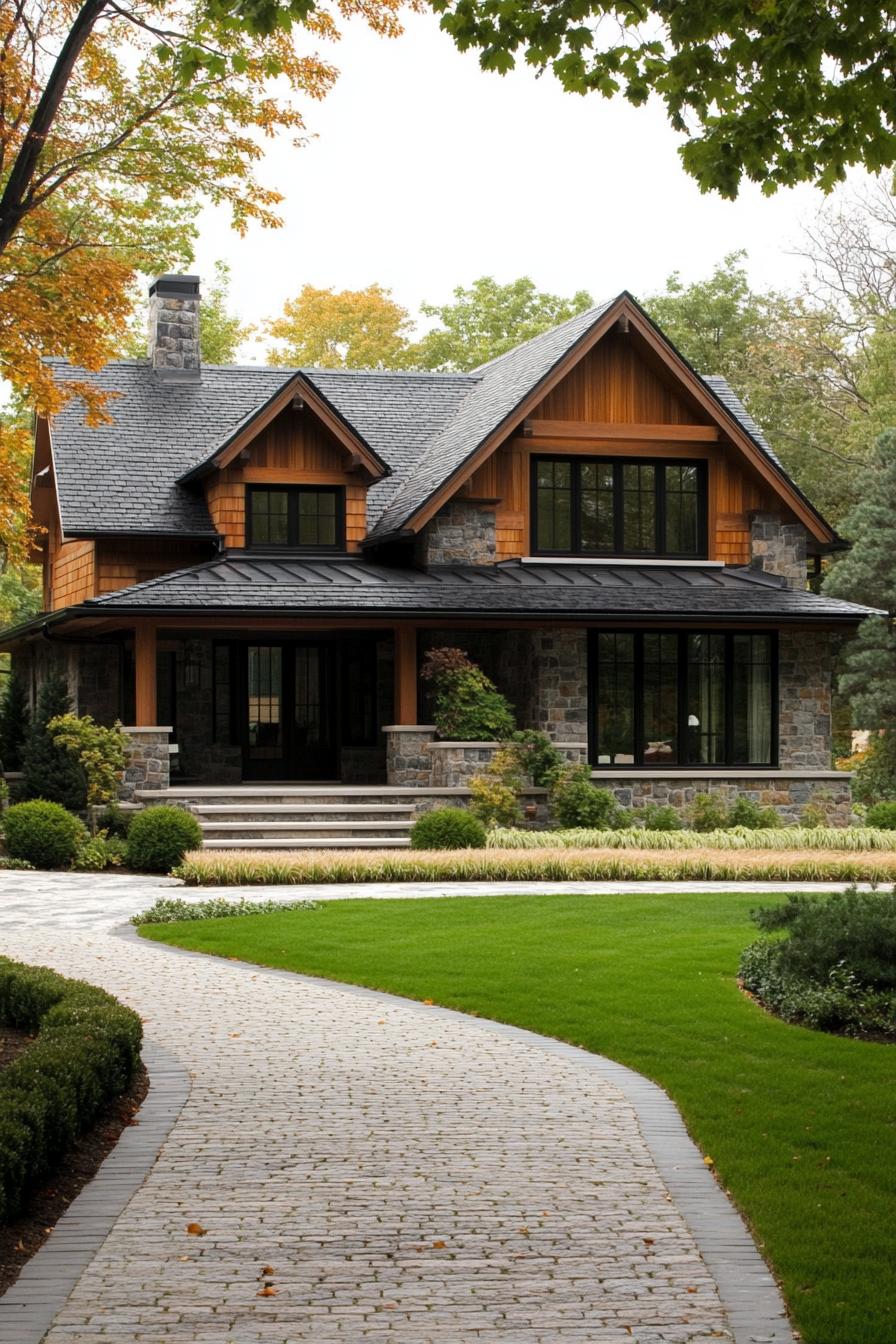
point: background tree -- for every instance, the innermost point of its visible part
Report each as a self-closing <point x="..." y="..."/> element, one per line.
<point x="118" y="118"/>
<point x="774" y="93"/>
<point x="221" y="332"/>
<point x="487" y="319"/>
<point x="787" y="356"/>
<point x="351" y="329"/>
<point x="50" y="770"/>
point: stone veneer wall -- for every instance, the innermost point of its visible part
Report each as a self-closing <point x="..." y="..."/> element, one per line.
<point x="461" y="533"/>
<point x="805" y="677"/>
<point x="148" y="761"/>
<point x="829" y="791"/>
<point x="779" y="548"/>
<point x="560" y="686"/>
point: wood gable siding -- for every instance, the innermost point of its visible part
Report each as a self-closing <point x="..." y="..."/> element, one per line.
<point x="613" y="386"/>
<point x="293" y="450"/>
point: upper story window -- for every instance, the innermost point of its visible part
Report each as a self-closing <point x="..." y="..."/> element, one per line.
<point x="304" y="517"/>
<point x="617" y="506"/>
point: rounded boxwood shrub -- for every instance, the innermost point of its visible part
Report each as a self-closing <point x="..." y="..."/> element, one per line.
<point x="43" y="833"/>
<point x="447" y="828"/>
<point x="882" y="816"/>
<point x="159" y="837"/>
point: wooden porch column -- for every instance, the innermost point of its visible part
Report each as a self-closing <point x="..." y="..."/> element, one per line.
<point x="145" y="675"/>
<point x="405" y="674"/>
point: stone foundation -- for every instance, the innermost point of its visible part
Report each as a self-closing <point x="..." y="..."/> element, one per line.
<point x="779" y="548"/>
<point x="408" y="758"/>
<point x="788" y="792"/>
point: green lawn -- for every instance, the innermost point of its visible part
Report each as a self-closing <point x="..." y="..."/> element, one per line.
<point x="802" y="1126"/>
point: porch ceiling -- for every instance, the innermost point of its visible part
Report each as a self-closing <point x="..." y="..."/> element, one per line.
<point x="302" y="585"/>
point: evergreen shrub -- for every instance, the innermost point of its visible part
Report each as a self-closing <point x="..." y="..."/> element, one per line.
<point x="835" y="969"/>
<point x="448" y="828"/>
<point x="882" y="816"/>
<point x="85" y="1054"/>
<point x="755" y="818"/>
<point x="707" y="813"/>
<point x="15" y="723"/>
<point x="52" y="772"/>
<point x="577" y="802"/>
<point x="43" y="834"/>
<point x="159" y="837"/>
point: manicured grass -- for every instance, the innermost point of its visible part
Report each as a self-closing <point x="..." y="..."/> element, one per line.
<point x="802" y="1126"/>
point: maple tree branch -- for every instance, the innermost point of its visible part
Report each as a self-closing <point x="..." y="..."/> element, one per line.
<point x="14" y="202"/>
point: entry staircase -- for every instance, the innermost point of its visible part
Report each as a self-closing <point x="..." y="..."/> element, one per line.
<point x="297" y="816"/>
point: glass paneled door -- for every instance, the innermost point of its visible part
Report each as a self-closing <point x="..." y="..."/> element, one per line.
<point x="289" y="730"/>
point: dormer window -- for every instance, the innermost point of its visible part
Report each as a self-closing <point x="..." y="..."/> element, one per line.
<point x="298" y="517"/>
<point x="603" y="506"/>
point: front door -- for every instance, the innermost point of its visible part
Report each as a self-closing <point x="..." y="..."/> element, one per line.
<point x="289" y="728"/>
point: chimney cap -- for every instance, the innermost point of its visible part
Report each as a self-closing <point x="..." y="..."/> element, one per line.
<point x="184" y="286"/>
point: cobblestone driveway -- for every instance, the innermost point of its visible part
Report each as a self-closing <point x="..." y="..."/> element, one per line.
<point x="409" y="1175"/>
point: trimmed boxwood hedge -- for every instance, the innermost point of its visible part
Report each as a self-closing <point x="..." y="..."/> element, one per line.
<point x="85" y="1053"/>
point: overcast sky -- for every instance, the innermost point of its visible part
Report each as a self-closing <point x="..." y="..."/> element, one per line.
<point x="426" y="173"/>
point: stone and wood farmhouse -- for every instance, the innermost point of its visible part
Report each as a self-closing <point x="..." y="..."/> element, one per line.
<point x="247" y="565"/>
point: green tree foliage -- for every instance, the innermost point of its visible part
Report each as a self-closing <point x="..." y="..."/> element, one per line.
<point x="774" y="93"/>
<point x="51" y="771"/>
<point x="15" y="723"/>
<point x="787" y="357"/>
<point x="221" y="332"/>
<point x="487" y="319"/>
<point x="99" y="751"/>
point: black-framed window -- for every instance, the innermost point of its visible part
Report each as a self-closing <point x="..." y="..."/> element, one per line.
<point x="684" y="698"/>
<point x="307" y="517"/>
<point x="618" y="506"/>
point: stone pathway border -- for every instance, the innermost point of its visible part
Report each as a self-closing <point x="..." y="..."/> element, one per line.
<point x="28" y="1308"/>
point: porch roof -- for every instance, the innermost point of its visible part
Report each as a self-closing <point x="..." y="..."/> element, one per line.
<point x="237" y="582"/>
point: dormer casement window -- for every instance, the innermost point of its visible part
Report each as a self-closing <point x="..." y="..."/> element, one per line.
<point x="606" y="506"/>
<point x="295" y="517"/>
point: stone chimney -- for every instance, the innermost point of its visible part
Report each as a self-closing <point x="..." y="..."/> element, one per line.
<point x="174" y="328"/>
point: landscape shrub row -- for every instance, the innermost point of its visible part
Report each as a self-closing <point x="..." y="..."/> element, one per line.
<point x="44" y="835"/>
<point x="86" y="1050"/>
<point x="835" y="969"/>
<point x="858" y="838"/>
<point x="245" y="868"/>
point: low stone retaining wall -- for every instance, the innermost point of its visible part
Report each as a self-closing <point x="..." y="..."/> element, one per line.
<point x="414" y="759"/>
<point x="148" y="766"/>
<point x="788" y="791"/>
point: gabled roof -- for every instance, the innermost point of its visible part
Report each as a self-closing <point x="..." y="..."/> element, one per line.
<point x="421" y="433"/>
<point x="268" y="585"/>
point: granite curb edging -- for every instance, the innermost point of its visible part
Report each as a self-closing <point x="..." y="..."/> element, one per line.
<point x="753" y="1304"/>
<point x="29" y="1307"/>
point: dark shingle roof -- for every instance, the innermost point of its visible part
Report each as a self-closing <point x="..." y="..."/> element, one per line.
<point x="237" y="582"/>
<point x="123" y="477"/>
<point x="499" y="388"/>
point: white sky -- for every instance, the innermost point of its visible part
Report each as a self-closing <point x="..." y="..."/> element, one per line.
<point x="427" y="172"/>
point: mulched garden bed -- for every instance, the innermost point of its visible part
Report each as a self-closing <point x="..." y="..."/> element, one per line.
<point x="24" y="1238"/>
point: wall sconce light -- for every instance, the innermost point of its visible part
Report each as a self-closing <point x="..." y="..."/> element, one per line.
<point x="192" y="669"/>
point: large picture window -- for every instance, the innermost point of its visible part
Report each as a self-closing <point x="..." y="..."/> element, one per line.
<point x="305" y="517"/>
<point x="616" y="506"/>
<point x="683" y="699"/>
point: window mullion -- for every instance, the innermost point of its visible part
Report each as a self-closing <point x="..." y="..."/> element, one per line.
<point x="639" y="697"/>
<point x="659" y="501"/>
<point x="729" y="698"/>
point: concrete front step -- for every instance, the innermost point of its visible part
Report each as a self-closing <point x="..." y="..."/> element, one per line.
<point x="323" y="809"/>
<point x="302" y="829"/>
<point x="333" y="842"/>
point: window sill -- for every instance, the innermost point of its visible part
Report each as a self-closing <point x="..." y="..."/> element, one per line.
<point x="636" y="562"/>
<point x="684" y="772"/>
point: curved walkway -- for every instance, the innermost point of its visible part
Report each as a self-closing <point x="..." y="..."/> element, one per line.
<point x="409" y="1174"/>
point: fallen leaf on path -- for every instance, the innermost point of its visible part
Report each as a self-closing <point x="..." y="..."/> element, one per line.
<point x="196" y="1230"/>
<point x="267" y="1270"/>
<point x="267" y="1291"/>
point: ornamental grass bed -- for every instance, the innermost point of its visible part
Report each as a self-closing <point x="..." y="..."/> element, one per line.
<point x="796" y="838"/>
<point x="701" y="863"/>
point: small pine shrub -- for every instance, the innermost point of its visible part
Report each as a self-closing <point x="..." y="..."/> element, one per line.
<point x="52" y="772"/>
<point x="159" y="837"/>
<point x="576" y="802"/>
<point x="755" y="818"/>
<point x="882" y="816"/>
<point x="448" y="828"/>
<point x="875" y="778"/>
<point x="43" y="833"/>
<point x="15" y="723"/>
<point x="707" y="813"/>
<point x="467" y="705"/>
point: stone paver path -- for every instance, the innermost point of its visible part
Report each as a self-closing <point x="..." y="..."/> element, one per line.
<point x="409" y="1175"/>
